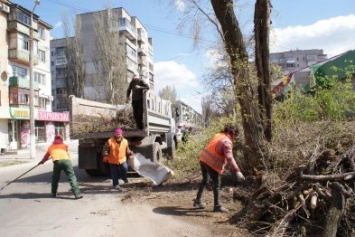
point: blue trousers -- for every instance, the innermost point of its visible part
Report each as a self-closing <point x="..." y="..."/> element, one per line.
<point x="118" y="172"/>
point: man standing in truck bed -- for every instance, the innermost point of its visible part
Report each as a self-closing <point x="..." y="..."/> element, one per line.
<point x="137" y="87"/>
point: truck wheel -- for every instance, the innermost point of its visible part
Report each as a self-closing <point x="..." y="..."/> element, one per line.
<point x="171" y="150"/>
<point x="92" y="172"/>
<point x="157" y="153"/>
<point x="103" y="168"/>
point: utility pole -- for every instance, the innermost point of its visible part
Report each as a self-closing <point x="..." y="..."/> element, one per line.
<point x="32" y="94"/>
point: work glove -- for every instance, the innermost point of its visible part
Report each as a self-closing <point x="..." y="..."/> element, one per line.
<point x="240" y="176"/>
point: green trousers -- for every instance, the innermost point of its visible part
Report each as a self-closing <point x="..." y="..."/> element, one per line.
<point x="67" y="167"/>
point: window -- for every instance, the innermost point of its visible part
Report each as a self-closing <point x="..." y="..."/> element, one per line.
<point x="61" y="91"/>
<point x="20" y="96"/>
<point x="42" y="56"/>
<point x="60" y="73"/>
<point x="13" y="96"/>
<point x="22" y="17"/>
<point x="41" y="33"/>
<point x="19" y="71"/>
<point x="60" y="61"/>
<point x="131" y="52"/>
<point x="23" y="98"/>
<point x="23" y="42"/>
<point x="42" y="103"/>
<point x="60" y="51"/>
<point x="40" y="78"/>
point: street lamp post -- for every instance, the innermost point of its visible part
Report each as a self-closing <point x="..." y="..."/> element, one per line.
<point x="32" y="96"/>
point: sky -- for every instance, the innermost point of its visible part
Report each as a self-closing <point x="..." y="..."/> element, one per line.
<point x="301" y="24"/>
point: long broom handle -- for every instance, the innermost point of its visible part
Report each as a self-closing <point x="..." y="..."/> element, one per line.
<point x="19" y="177"/>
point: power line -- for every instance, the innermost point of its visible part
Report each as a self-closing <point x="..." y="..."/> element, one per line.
<point x="154" y="28"/>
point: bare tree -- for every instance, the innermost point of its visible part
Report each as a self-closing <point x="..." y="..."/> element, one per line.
<point x="74" y="51"/>
<point x="168" y="93"/>
<point x="251" y="93"/>
<point x="109" y="57"/>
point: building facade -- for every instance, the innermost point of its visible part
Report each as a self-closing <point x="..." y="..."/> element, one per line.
<point x="15" y="68"/>
<point x="295" y="59"/>
<point x="132" y="36"/>
<point x="187" y="117"/>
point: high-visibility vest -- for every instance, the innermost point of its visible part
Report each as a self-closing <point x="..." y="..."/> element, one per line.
<point x="117" y="151"/>
<point x="58" y="152"/>
<point x="210" y="157"/>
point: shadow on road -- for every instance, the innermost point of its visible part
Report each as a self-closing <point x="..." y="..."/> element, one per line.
<point x="179" y="211"/>
<point x="66" y="195"/>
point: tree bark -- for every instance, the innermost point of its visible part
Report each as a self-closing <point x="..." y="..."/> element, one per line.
<point x="235" y="47"/>
<point x="261" y="30"/>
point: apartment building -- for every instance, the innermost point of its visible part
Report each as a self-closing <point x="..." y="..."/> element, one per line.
<point x="4" y="86"/>
<point x="295" y="59"/>
<point x="15" y="68"/>
<point x="186" y="116"/>
<point x="132" y="36"/>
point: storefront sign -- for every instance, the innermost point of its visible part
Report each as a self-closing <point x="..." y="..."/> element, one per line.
<point x="53" y="116"/>
<point x="20" y="113"/>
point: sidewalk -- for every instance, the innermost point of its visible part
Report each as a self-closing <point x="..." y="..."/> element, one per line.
<point x="24" y="155"/>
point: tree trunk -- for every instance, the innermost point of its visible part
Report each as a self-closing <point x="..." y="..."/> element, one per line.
<point x="235" y="47"/>
<point x="261" y="30"/>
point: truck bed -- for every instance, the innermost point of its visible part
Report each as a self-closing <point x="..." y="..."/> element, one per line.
<point x="92" y="119"/>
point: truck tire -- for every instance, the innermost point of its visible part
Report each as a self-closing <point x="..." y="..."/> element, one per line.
<point x="103" y="168"/>
<point x="92" y="172"/>
<point x="157" y="153"/>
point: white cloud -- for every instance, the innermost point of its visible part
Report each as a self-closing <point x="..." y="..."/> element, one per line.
<point x="215" y="58"/>
<point x="334" y="35"/>
<point x="181" y="78"/>
<point x="174" y="74"/>
<point x="180" y="5"/>
<point x="57" y="25"/>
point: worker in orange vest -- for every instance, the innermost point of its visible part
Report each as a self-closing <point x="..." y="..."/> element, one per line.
<point x="213" y="159"/>
<point x="58" y="151"/>
<point x="115" y="152"/>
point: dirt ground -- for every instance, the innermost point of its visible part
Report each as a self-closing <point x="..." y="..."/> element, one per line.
<point x="175" y="197"/>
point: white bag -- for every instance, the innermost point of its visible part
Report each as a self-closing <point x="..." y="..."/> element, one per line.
<point x="145" y="167"/>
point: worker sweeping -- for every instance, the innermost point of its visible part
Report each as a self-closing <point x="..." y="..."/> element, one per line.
<point x="58" y="151"/>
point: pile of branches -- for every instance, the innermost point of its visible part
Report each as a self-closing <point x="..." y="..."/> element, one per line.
<point x="309" y="193"/>
<point x="88" y="124"/>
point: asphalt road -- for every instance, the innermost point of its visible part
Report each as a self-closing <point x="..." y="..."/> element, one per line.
<point x="27" y="208"/>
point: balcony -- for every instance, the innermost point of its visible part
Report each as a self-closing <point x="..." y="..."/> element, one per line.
<point x="16" y="81"/>
<point x="142" y="62"/>
<point x="141" y="36"/>
<point x="15" y="26"/>
<point x="142" y="52"/>
<point x="22" y="56"/>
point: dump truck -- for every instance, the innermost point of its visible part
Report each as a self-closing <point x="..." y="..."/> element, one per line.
<point x="93" y="123"/>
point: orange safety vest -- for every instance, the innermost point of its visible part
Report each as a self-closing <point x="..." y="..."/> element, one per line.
<point x="58" y="152"/>
<point x="117" y="153"/>
<point x="210" y="157"/>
